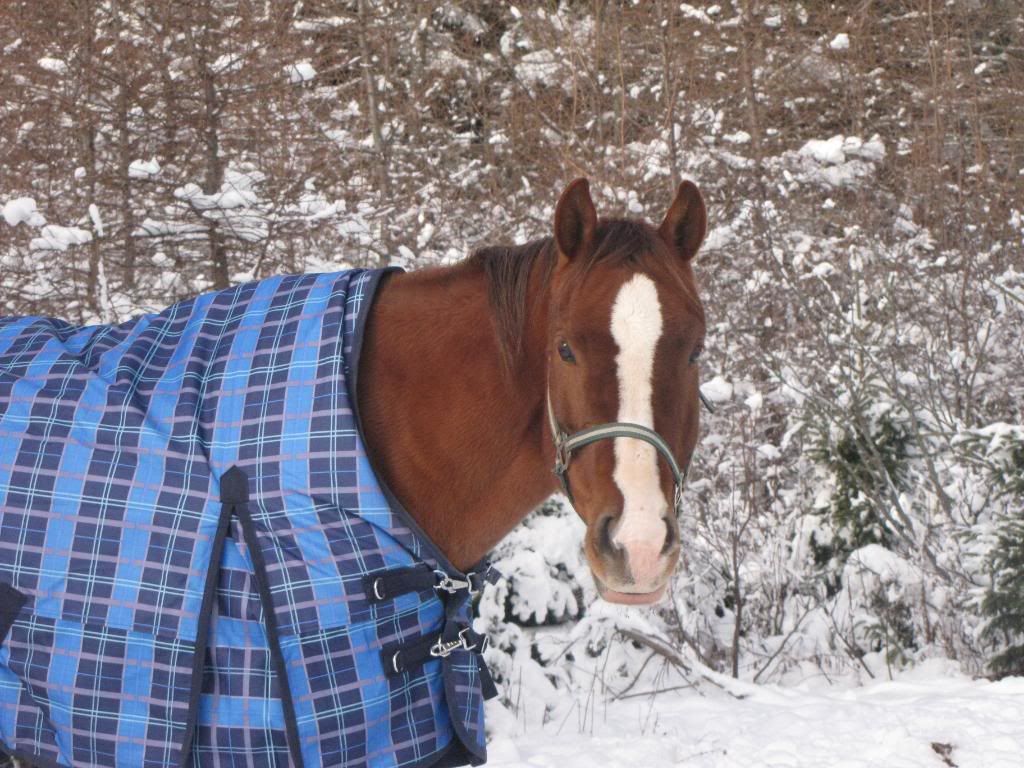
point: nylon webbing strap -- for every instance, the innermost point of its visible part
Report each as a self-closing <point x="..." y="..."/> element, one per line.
<point x="385" y="585"/>
<point x="622" y="429"/>
<point x="401" y="657"/>
<point x="398" y="659"/>
<point x="565" y="444"/>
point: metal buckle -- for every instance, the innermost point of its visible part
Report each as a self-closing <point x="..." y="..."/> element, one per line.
<point x="450" y="585"/>
<point x="443" y="649"/>
<point x="562" y="454"/>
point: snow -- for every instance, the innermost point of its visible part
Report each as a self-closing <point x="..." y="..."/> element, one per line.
<point x="236" y="205"/>
<point x="717" y="390"/>
<point x="740" y="137"/>
<point x="538" y="67"/>
<point x="97" y="222"/>
<point x="300" y="72"/>
<point x="840" y="42"/>
<point x="229" y="62"/>
<point x="891" y="724"/>
<point x="827" y="151"/>
<point x="840" y="160"/>
<point x="53" y="65"/>
<point x="57" y="238"/>
<point x="22" y="210"/>
<point x="700" y="15"/>
<point x="872" y="566"/>
<point x="143" y="169"/>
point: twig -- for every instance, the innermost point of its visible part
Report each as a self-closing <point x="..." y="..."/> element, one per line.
<point x="659" y="690"/>
<point x="662" y="648"/>
<point x="783" y="644"/>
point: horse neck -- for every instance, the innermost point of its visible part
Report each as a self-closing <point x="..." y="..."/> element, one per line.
<point x="457" y="436"/>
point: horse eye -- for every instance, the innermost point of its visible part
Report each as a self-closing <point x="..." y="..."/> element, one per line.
<point x="565" y="353"/>
<point x="696" y="353"/>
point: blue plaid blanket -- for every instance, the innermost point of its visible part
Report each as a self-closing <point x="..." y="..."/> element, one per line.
<point x="198" y="566"/>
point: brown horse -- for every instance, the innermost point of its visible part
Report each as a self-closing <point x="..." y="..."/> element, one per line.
<point x="472" y="375"/>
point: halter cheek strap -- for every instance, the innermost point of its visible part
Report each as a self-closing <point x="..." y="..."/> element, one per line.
<point x="565" y="444"/>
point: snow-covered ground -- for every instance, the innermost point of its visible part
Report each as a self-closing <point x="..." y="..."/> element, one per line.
<point x="927" y="718"/>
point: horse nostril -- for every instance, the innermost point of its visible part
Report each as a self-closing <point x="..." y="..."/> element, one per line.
<point x="607" y="544"/>
<point x="671" y="536"/>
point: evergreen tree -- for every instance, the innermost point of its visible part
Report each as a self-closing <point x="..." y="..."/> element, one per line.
<point x="1003" y="605"/>
<point x="854" y="515"/>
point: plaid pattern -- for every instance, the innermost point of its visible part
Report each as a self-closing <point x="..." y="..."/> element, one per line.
<point x="159" y="633"/>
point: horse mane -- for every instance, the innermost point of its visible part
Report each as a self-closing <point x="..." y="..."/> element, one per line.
<point x="508" y="270"/>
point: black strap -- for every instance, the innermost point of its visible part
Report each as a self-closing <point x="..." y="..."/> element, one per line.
<point x="402" y="657"/>
<point x="234" y="494"/>
<point x="397" y="658"/>
<point x="389" y="584"/>
<point x="487" y="686"/>
<point x="488" y="574"/>
<point x="385" y="585"/>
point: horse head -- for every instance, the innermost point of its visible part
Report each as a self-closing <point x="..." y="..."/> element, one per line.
<point x="626" y="326"/>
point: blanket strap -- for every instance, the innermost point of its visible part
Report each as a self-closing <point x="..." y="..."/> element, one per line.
<point x="385" y="585"/>
<point x="399" y="658"/>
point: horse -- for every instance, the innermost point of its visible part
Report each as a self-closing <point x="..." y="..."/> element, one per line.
<point x="248" y="530"/>
<point x="599" y="324"/>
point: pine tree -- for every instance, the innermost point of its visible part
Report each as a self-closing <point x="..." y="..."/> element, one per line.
<point x="1003" y="605"/>
<point x="853" y="513"/>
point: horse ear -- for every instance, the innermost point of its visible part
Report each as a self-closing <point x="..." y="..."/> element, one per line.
<point x="686" y="222"/>
<point x="575" y="219"/>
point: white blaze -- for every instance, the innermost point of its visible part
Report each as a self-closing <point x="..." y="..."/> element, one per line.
<point x="636" y="328"/>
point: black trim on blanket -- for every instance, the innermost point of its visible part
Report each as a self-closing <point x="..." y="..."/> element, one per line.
<point x="11" y="603"/>
<point x="477" y="756"/>
<point x="227" y="508"/>
<point x="373" y="285"/>
<point x="352" y="376"/>
<point x="259" y="566"/>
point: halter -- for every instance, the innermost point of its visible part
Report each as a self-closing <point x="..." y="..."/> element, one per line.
<point x="565" y="444"/>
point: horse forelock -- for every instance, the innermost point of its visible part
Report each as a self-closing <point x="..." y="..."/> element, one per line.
<point x="617" y="242"/>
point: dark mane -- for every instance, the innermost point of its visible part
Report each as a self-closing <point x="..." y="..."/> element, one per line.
<point x="508" y="270"/>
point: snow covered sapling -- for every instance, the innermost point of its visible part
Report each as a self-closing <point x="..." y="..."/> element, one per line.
<point x="856" y="462"/>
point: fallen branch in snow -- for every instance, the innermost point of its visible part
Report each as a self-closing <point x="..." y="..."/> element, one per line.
<point x="686" y="687"/>
<point x="665" y="650"/>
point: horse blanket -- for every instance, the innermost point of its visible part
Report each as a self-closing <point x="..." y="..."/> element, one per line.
<point x="198" y="566"/>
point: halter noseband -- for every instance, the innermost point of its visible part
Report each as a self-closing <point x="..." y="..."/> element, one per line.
<point x="565" y="444"/>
